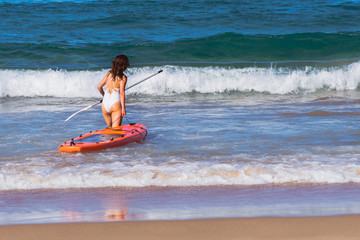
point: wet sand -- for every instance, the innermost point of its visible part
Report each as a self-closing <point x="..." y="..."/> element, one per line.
<point x="176" y="203"/>
<point x="331" y="227"/>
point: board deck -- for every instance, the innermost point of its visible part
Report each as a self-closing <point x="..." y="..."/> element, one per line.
<point x="105" y="138"/>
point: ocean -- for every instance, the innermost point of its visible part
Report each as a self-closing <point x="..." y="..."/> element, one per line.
<point x="256" y="112"/>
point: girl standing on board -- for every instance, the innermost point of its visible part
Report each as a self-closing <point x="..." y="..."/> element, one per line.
<point x="113" y="104"/>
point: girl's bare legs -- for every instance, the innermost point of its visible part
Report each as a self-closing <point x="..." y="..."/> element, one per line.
<point x="107" y="116"/>
<point x="116" y="118"/>
<point x="113" y="118"/>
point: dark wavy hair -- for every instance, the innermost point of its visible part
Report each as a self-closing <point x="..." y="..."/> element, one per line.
<point x="119" y="65"/>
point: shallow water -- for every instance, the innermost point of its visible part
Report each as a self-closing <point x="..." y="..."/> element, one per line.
<point x="193" y="141"/>
<point x="170" y="203"/>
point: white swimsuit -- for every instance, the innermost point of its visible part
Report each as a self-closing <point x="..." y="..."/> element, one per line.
<point x="111" y="97"/>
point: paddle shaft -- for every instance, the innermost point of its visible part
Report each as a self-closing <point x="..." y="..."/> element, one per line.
<point x="143" y="80"/>
<point x="93" y="105"/>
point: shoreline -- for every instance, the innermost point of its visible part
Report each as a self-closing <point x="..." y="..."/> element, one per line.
<point x="176" y="203"/>
<point x="323" y="227"/>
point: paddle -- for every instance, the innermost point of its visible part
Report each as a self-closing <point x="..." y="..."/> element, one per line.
<point x="88" y="107"/>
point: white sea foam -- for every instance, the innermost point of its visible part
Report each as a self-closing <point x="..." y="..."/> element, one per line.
<point x="37" y="174"/>
<point x="180" y="79"/>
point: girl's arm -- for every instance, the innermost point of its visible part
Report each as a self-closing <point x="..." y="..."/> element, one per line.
<point x="102" y="83"/>
<point x="122" y="95"/>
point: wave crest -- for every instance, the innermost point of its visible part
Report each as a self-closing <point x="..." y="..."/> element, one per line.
<point x="181" y="80"/>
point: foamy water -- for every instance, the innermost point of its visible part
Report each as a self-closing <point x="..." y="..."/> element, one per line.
<point x="179" y="80"/>
<point x="60" y="172"/>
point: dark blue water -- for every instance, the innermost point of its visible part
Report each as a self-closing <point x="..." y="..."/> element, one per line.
<point x="86" y="34"/>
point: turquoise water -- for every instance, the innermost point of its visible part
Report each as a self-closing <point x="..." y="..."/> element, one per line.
<point x="252" y="94"/>
<point x="86" y="34"/>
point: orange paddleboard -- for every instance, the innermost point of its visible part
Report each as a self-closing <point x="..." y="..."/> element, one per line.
<point x="105" y="138"/>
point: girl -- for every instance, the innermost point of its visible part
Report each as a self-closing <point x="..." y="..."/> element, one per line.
<point x="113" y="104"/>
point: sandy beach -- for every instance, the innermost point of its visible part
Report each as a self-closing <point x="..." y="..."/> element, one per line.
<point x="330" y="227"/>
